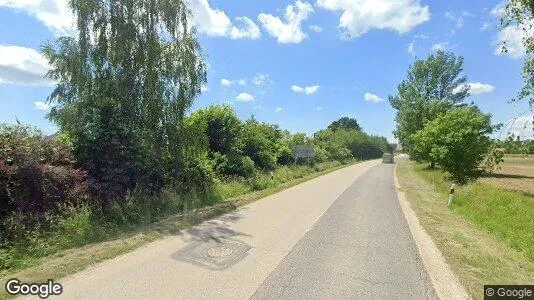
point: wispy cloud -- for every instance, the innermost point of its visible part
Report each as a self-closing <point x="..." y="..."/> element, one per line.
<point x="308" y="90"/>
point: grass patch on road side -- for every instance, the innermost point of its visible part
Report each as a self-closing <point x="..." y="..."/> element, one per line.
<point x="237" y="193"/>
<point x="486" y="237"/>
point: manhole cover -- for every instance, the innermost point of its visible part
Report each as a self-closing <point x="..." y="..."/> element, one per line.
<point x="213" y="254"/>
<point x="219" y="252"/>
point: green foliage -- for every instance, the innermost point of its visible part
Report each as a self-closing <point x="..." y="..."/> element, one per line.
<point x="36" y="177"/>
<point x="233" y="164"/>
<point x="261" y="142"/>
<point x="345" y="123"/>
<point x="494" y="158"/>
<point x="514" y="145"/>
<point x="124" y="84"/>
<point x="345" y="144"/>
<point x="457" y="140"/>
<point x="432" y="87"/>
<point x="221" y="126"/>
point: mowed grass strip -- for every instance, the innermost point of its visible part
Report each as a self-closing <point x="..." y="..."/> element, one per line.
<point x="476" y="253"/>
<point x="77" y="259"/>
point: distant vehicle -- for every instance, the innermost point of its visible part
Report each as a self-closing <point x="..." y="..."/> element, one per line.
<point x="387" y="158"/>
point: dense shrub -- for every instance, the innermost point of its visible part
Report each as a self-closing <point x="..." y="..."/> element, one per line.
<point x="37" y="174"/>
<point x="260" y="143"/>
<point x="233" y="164"/>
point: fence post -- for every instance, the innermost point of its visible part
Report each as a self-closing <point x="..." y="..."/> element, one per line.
<point x="451" y="195"/>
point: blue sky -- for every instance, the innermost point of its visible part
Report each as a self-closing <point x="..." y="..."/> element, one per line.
<point x="301" y="64"/>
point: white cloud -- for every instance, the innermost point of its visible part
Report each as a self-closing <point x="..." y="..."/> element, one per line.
<point x="215" y="22"/>
<point x="360" y="16"/>
<point x="476" y="88"/>
<point x="420" y="37"/>
<point x="522" y="127"/>
<point x="20" y="65"/>
<point x="308" y="90"/>
<point x="512" y="38"/>
<point x="440" y="46"/>
<point x="372" y="98"/>
<point x="290" y="30"/>
<point x="54" y="14"/>
<point x="316" y="28"/>
<point x="226" y="82"/>
<point x="458" y="19"/>
<point x="486" y="26"/>
<point x="411" y="49"/>
<point x="204" y="88"/>
<point x="244" y="97"/>
<point x="498" y="10"/>
<point x="41" y="105"/>
<point x="319" y="108"/>
<point x="278" y="109"/>
<point x="259" y="78"/>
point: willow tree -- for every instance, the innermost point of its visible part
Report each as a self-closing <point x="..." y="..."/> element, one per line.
<point x="124" y="82"/>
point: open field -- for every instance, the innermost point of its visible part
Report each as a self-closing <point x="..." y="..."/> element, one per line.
<point x="487" y="235"/>
<point x="516" y="173"/>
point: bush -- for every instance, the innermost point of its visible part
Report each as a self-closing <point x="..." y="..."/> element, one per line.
<point x="285" y="155"/>
<point x="37" y="175"/>
<point x="195" y="176"/>
<point x="260" y="143"/>
<point x="233" y="164"/>
<point x="458" y="141"/>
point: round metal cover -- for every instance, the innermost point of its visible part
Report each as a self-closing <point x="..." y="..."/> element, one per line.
<point x="219" y="252"/>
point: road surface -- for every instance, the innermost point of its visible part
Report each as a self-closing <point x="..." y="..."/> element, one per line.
<point x="339" y="236"/>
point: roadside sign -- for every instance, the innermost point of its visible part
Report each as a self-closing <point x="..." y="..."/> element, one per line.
<point x="303" y="151"/>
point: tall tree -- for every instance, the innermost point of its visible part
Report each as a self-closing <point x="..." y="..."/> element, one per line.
<point x="432" y="87"/>
<point x="345" y="123"/>
<point x="124" y="84"/>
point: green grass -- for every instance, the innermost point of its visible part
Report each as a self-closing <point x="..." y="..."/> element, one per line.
<point x="485" y="237"/>
<point x="506" y="214"/>
<point x="85" y="239"/>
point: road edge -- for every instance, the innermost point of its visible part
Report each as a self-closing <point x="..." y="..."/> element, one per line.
<point x="445" y="282"/>
<point x="194" y="218"/>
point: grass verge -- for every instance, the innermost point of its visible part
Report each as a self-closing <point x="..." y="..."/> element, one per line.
<point x="238" y="194"/>
<point x="476" y="251"/>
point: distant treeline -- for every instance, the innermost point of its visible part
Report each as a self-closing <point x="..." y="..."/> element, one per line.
<point x="514" y="145"/>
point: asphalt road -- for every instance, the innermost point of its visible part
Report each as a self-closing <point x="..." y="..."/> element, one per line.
<point x="360" y="248"/>
<point x="341" y="235"/>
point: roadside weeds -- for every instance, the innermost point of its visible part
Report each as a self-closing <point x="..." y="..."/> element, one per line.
<point x="75" y="260"/>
